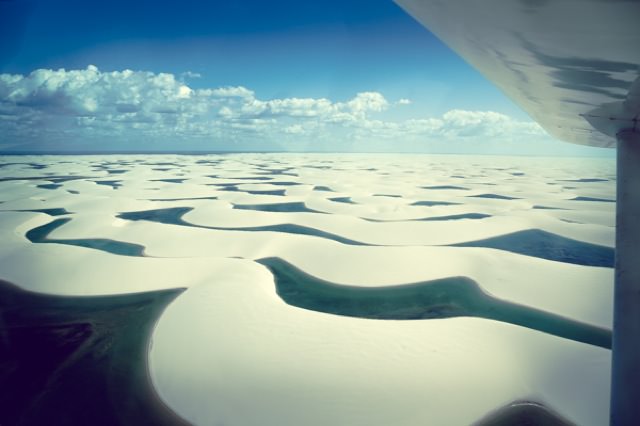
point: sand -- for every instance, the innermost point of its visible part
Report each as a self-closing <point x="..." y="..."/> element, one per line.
<point x="531" y="233"/>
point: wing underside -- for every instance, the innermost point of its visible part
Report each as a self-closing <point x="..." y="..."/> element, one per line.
<point x="572" y="65"/>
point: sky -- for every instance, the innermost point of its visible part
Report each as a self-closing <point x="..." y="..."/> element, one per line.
<point x="247" y="75"/>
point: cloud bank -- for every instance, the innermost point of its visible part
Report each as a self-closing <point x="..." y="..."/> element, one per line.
<point x="94" y="106"/>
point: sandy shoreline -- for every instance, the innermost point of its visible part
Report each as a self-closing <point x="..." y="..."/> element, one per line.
<point x="515" y="241"/>
<point x="79" y="360"/>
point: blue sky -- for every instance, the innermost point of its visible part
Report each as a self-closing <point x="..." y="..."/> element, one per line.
<point x="336" y="75"/>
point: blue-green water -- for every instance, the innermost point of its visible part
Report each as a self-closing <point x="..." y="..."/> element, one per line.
<point x="443" y="298"/>
<point x="41" y="233"/>
<point x="545" y="245"/>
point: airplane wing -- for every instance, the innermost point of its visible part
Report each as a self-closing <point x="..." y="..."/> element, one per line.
<point x="572" y="65"/>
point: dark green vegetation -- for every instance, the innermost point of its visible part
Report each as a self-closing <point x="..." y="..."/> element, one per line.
<point x="443" y="298"/>
<point x="79" y="360"/>
<point x="40" y="235"/>
<point x="174" y="215"/>
<point x="524" y="413"/>
<point x="543" y="244"/>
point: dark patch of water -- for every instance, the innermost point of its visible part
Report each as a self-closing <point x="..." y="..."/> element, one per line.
<point x="592" y="199"/>
<point x="50" y="212"/>
<point x="115" y="184"/>
<point x="436" y="218"/>
<point x="584" y="180"/>
<point x="293" y="207"/>
<point x="546" y="245"/>
<point x="346" y="200"/>
<point x="174" y="215"/>
<point x="322" y="188"/>
<point x="438" y="187"/>
<point x="456" y="217"/>
<point x="434" y="203"/>
<point x="49" y="186"/>
<point x="442" y="298"/>
<point x="183" y="199"/>
<point x="79" y="360"/>
<point x="41" y="235"/>
<point x="280" y="192"/>
<point x="537" y="207"/>
<point x="495" y="197"/>
<point x="54" y="179"/>
<point x="169" y="180"/>
<point x="285" y="183"/>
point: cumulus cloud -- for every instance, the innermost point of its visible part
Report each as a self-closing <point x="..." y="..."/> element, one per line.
<point x="147" y="106"/>
<point x="227" y="92"/>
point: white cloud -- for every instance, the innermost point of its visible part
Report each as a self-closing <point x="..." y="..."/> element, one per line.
<point x="190" y="74"/>
<point x="295" y="129"/>
<point x="227" y="92"/>
<point x="368" y="101"/>
<point x="146" y="106"/>
<point x="487" y="123"/>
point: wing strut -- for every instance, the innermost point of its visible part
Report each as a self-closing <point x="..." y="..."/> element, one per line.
<point x="625" y="377"/>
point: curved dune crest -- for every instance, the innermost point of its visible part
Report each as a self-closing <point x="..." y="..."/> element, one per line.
<point x="174" y="215"/>
<point x="444" y="298"/>
<point x="281" y="365"/>
<point x="295" y="310"/>
<point x="41" y="233"/>
<point x="582" y="295"/>
<point x="75" y="351"/>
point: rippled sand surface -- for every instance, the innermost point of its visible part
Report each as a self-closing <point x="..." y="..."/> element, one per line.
<point x="336" y="289"/>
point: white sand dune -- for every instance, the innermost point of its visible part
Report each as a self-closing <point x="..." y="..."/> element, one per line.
<point x="575" y="291"/>
<point x="230" y="351"/>
<point x="233" y="352"/>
